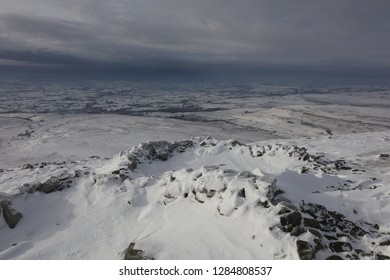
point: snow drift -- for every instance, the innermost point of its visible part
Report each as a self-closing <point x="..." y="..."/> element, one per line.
<point x="194" y="199"/>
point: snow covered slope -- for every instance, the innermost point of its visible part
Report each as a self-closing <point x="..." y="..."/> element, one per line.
<point x="204" y="198"/>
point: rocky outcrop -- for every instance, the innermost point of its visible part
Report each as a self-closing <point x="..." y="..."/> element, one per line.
<point x="150" y="151"/>
<point x="382" y="257"/>
<point x="331" y="228"/>
<point x="316" y="231"/>
<point x="54" y="184"/>
<point x="11" y="216"/>
<point x="290" y="221"/>
<point x="133" y="254"/>
<point x="339" y="247"/>
<point x="314" y="162"/>
<point x="326" y="231"/>
<point x="305" y="250"/>
<point x="157" y="150"/>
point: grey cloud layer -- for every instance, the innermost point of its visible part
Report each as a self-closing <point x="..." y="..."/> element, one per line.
<point x="247" y="32"/>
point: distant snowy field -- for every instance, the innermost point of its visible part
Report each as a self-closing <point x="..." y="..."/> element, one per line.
<point x="309" y="177"/>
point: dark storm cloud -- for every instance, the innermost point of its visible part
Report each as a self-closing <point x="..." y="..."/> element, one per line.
<point x="45" y="58"/>
<point x="185" y="34"/>
<point x="44" y="27"/>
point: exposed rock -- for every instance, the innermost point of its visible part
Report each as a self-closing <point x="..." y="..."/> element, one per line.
<point x="289" y="206"/>
<point x="134" y="254"/>
<point x="79" y="173"/>
<point x="271" y="181"/>
<point x="55" y="184"/>
<point x="284" y="211"/>
<point x="315" y="233"/>
<point x="132" y="165"/>
<point x="246" y="174"/>
<point x="278" y="192"/>
<point x="291" y="220"/>
<point x="336" y="215"/>
<point x="209" y="168"/>
<point x="198" y="199"/>
<point x="382" y="257"/>
<point x="311" y="223"/>
<point x="297" y="231"/>
<point x="385" y="243"/>
<point x="11" y="216"/>
<point x="162" y="150"/>
<point x="384" y="156"/>
<point x="28" y="166"/>
<point x="211" y="193"/>
<point x="229" y="172"/>
<point x="304" y="170"/>
<point x="235" y="143"/>
<point x="280" y="199"/>
<point x="357" y="231"/>
<point x="345" y="168"/>
<point x="169" y="196"/>
<point x="241" y="193"/>
<point x="353" y="257"/>
<point x="359" y="251"/>
<point x="334" y="257"/>
<point x="48" y="186"/>
<point x="264" y="204"/>
<point x="314" y="209"/>
<point x="330" y="237"/>
<point x="349" y="227"/>
<point x="305" y="250"/>
<point x="366" y="254"/>
<point x="340" y="235"/>
<point x="339" y="247"/>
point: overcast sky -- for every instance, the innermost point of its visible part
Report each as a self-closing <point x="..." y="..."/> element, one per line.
<point x="331" y="37"/>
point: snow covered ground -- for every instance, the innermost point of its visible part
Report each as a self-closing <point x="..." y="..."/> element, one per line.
<point x="308" y="178"/>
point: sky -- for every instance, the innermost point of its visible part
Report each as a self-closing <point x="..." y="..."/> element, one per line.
<point x="302" y="39"/>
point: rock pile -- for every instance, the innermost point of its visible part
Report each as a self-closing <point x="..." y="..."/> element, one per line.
<point x="326" y="232"/>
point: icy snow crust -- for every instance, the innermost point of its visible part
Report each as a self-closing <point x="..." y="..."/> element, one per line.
<point x="202" y="199"/>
